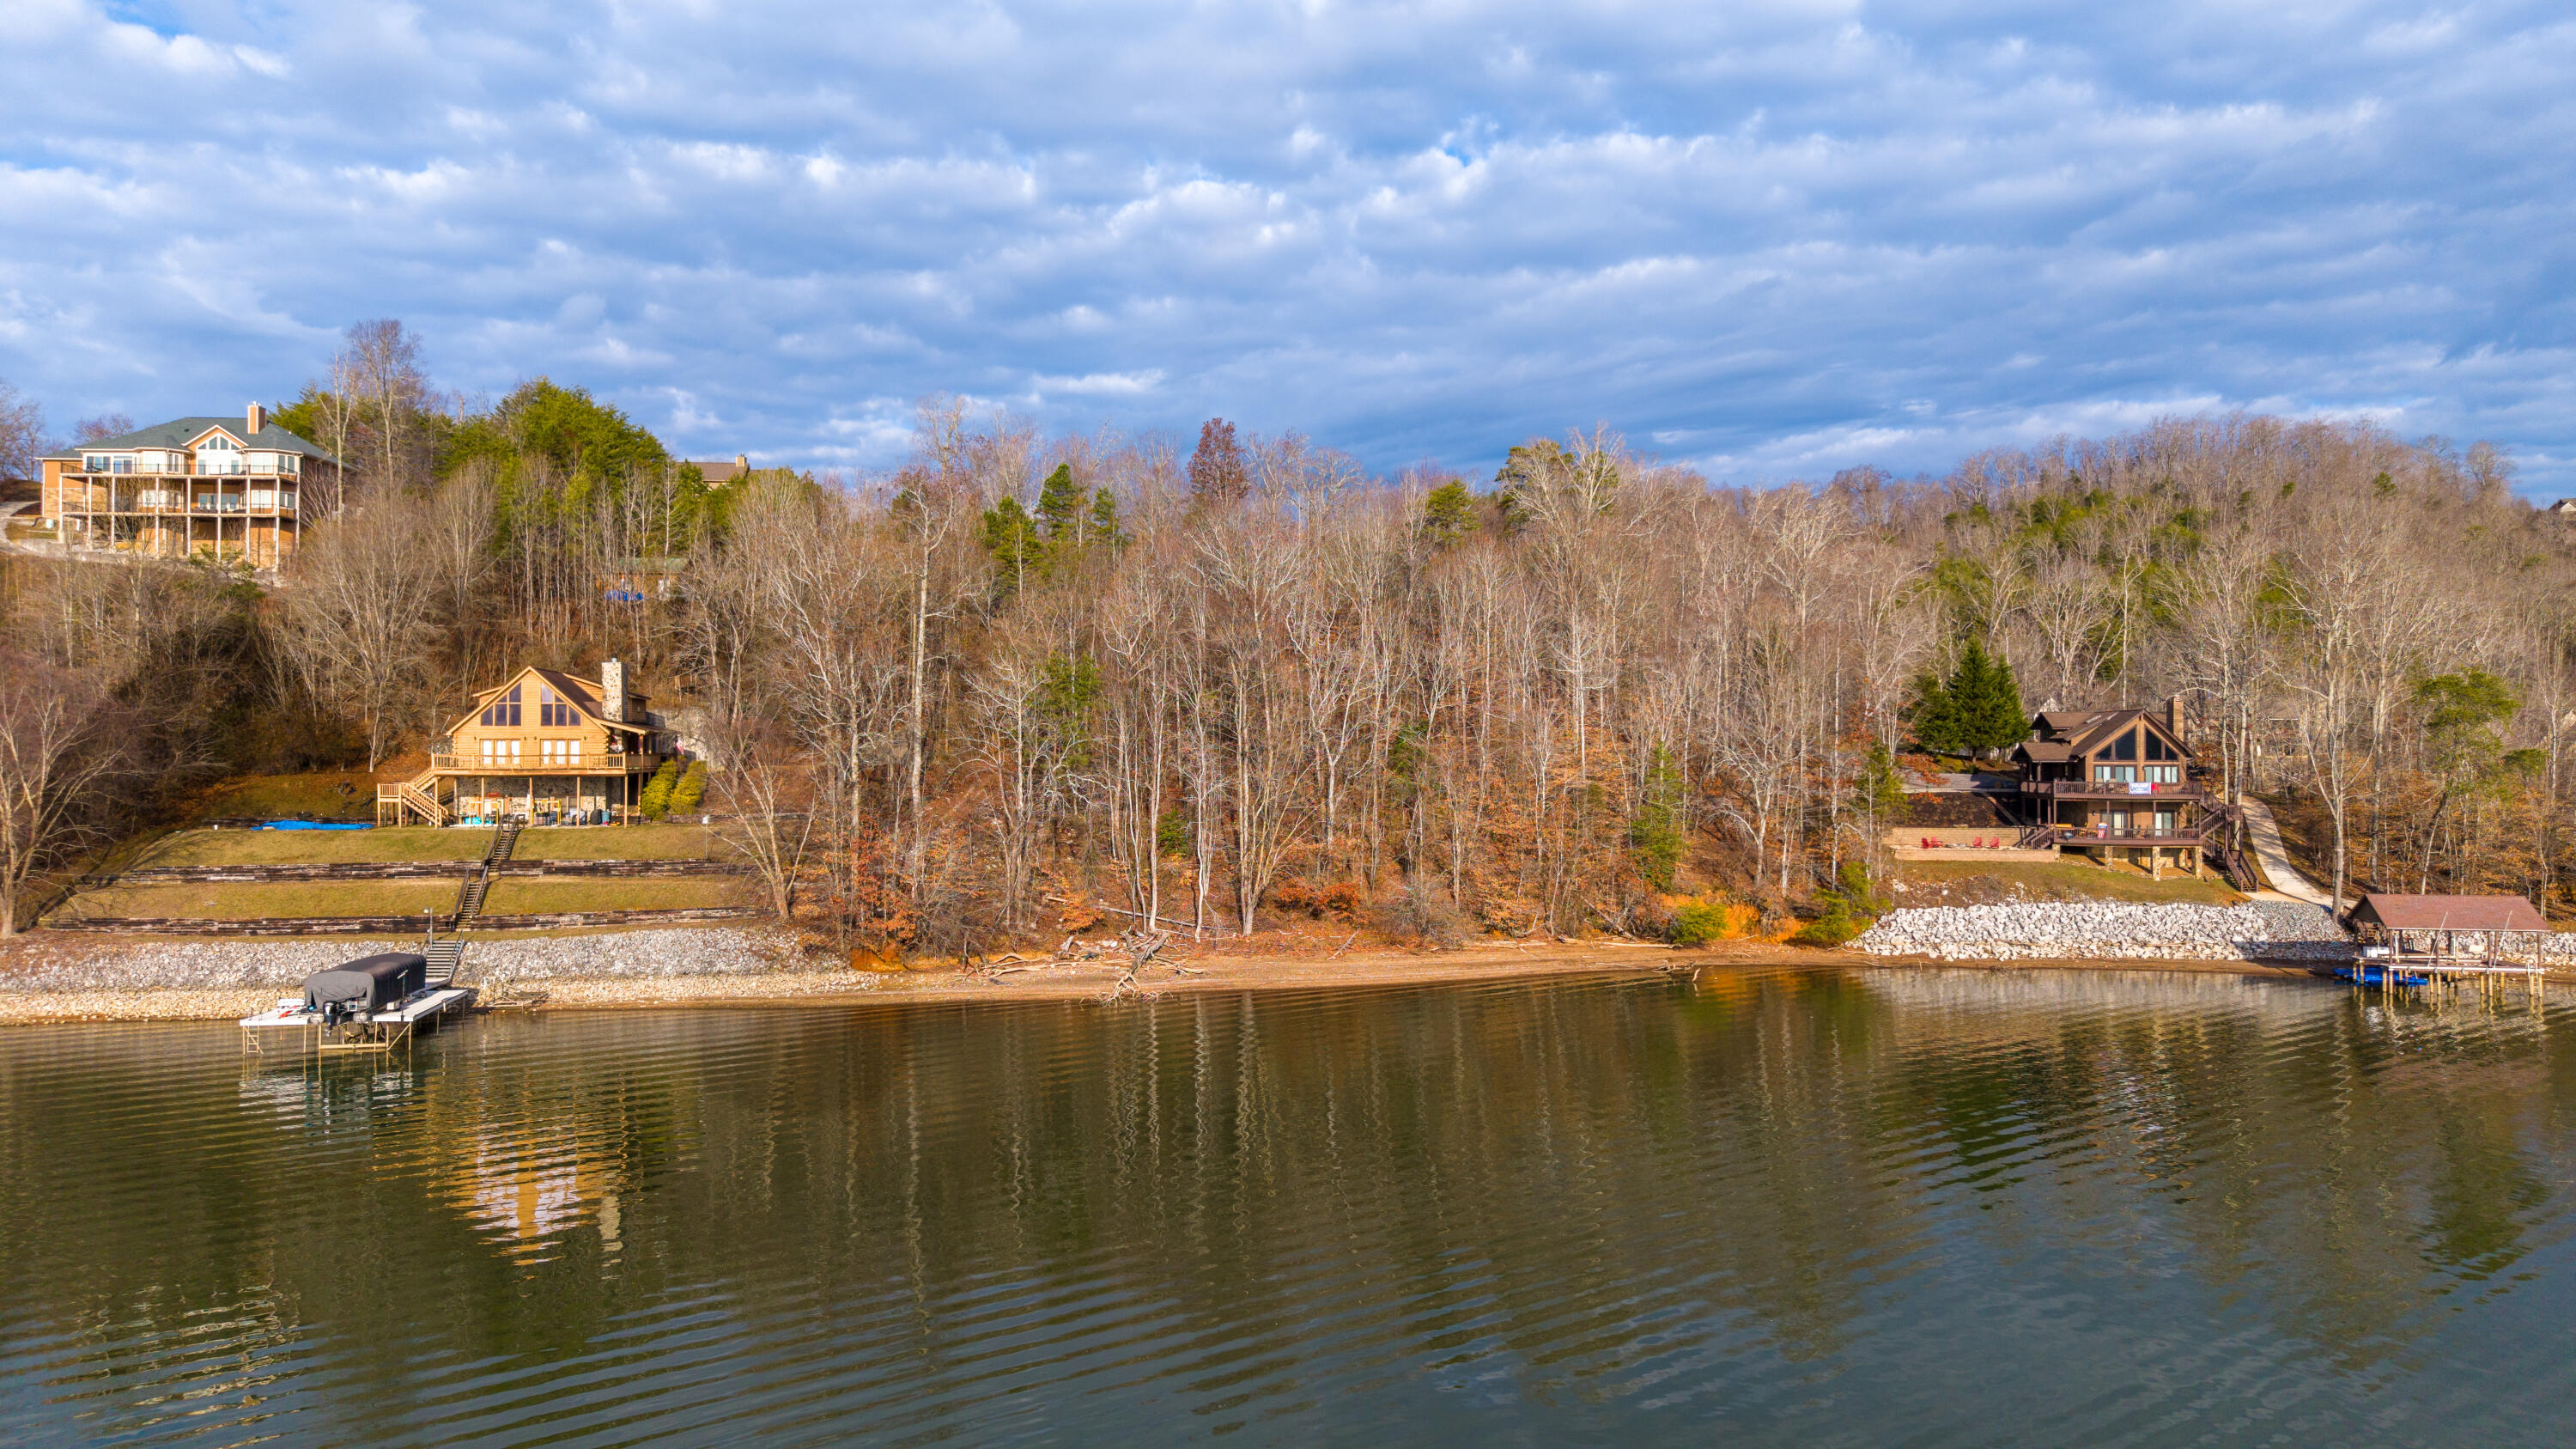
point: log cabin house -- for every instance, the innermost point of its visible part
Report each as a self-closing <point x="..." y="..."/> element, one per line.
<point x="2115" y="784"/>
<point x="543" y="747"/>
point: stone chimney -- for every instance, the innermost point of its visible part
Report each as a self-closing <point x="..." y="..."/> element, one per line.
<point x="742" y="461"/>
<point x="257" y="418"/>
<point x="2174" y="718"/>
<point x="612" y="691"/>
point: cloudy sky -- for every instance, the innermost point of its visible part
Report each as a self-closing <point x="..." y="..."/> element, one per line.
<point x="1774" y="240"/>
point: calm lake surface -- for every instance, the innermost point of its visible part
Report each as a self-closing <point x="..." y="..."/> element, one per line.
<point x="1762" y="1207"/>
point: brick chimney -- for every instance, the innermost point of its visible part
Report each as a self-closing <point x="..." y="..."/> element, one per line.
<point x="612" y="691"/>
<point x="257" y="418"/>
<point x="2174" y="718"/>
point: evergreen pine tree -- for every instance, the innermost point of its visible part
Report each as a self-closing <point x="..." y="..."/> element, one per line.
<point x="1975" y="711"/>
<point x="1012" y="539"/>
<point x="1881" y="790"/>
<point x="1102" y="529"/>
<point x="1985" y="702"/>
<point x="1972" y="685"/>
<point x="1931" y="716"/>
<point x="1448" y="514"/>
<point x="1656" y="833"/>
<point x="1060" y="507"/>
<point x="2001" y="721"/>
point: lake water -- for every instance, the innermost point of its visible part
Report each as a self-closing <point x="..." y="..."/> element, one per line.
<point x="1762" y="1207"/>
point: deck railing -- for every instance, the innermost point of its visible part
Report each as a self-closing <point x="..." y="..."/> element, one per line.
<point x="530" y="762"/>
<point x="2131" y="835"/>
<point x="2111" y="789"/>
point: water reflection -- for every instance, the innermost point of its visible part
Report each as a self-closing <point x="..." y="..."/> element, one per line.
<point x="1798" y="1207"/>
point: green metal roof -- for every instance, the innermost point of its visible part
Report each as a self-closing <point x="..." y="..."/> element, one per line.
<point x="177" y="433"/>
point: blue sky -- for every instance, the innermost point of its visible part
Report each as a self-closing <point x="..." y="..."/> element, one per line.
<point x="1772" y="240"/>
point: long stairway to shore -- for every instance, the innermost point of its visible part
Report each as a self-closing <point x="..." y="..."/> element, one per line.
<point x="445" y="957"/>
<point x="470" y="896"/>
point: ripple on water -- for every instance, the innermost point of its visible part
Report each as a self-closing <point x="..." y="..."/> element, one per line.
<point x="1869" y="1208"/>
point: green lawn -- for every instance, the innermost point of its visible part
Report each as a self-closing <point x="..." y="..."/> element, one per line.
<point x="2065" y="880"/>
<point x="239" y="901"/>
<point x="421" y="842"/>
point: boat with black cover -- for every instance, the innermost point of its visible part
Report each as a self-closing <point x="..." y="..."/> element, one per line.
<point x="371" y="1004"/>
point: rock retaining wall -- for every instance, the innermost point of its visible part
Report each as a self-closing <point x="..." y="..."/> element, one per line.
<point x="2110" y="931"/>
<point x="161" y="966"/>
<point x="379" y="925"/>
<point x="408" y="870"/>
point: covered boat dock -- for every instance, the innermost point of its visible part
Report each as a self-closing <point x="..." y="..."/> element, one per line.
<point x="2422" y="940"/>
<point x="374" y="1003"/>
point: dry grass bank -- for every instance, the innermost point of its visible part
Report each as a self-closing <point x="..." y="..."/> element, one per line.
<point x="511" y="895"/>
<point x="1980" y="883"/>
<point x="421" y="842"/>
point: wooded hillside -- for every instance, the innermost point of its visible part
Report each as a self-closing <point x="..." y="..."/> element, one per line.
<point x="1242" y="681"/>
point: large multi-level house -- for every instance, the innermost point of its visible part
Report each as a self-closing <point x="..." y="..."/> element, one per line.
<point x="542" y="747"/>
<point x="224" y="487"/>
<point x="2116" y="784"/>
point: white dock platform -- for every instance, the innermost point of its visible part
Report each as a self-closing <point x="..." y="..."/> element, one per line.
<point x="372" y="1031"/>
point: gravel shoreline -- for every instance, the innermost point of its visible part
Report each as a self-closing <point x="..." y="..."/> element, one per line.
<point x="198" y="964"/>
<point x="45" y="978"/>
<point x="2110" y="931"/>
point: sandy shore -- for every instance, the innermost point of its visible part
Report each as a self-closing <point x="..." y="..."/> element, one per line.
<point x="33" y="979"/>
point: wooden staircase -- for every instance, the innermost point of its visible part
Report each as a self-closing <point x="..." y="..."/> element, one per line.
<point x="418" y="796"/>
<point x="470" y="896"/>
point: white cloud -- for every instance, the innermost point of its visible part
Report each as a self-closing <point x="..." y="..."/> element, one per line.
<point x="1100" y="384"/>
<point x="1775" y="239"/>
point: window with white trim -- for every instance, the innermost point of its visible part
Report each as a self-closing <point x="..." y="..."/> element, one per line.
<point x="500" y="752"/>
<point x="560" y="752"/>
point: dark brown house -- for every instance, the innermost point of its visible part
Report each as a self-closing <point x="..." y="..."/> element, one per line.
<point x="2115" y="784"/>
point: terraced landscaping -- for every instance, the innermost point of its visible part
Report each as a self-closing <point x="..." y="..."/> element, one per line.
<point x="242" y="902"/>
<point x="233" y="901"/>
<point x="421" y="842"/>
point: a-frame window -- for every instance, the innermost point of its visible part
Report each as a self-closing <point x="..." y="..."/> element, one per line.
<point x="503" y="713"/>
<point x="555" y="712"/>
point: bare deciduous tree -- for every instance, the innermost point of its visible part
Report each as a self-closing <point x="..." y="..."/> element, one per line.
<point x="359" y="615"/>
<point x="55" y="750"/>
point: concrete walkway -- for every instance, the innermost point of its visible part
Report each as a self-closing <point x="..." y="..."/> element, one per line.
<point x="2264" y="833"/>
